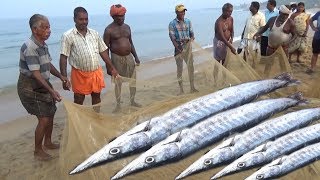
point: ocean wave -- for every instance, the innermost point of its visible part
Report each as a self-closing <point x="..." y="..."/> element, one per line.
<point x="150" y="31"/>
<point x="10" y="33"/>
<point x="11" y="47"/>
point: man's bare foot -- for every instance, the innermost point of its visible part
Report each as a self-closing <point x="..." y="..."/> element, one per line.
<point x="117" y="109"/>
<point x="309" y="71"/>
<point x="135" y="104"/>
<point x="42" y="156"/>
<point x="52" y="146"/>
<point x="298" y="61"/>
<point x="193" y="90"/>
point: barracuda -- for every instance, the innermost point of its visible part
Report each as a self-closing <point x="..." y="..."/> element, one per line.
<point x="286" y="164"/>
<point x="268" y="151"/>
<point x="236" y="146"/>
<point x="189" y="140"/>
<point x="144" y="135"/>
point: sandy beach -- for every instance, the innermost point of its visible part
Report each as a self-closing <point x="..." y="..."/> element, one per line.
<point x="17" y="128"/>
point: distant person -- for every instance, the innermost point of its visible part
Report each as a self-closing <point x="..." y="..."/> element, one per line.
<point x="34" y="89"/>
<point x="271" y="11"/>
<point x="301" y="21"/>
<point x="254" y="22"/>
<point x="181" y="35"/>
<point x="82" y="46"/>
<point x="282" y="30"/>
<point x="117" y="37"/>
<point x="315" y="41"/>
<point x="223" y="34"/>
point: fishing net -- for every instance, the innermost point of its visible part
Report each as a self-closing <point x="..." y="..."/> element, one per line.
<point x="86" y="131"/>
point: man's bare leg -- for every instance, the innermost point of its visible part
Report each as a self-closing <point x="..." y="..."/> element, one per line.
<point x="43" y="123"/>
<point x="96" y="99"/>
<point x="47" y="136"/>
<point x="78" y="98"/>
<point x="132" y="96"/>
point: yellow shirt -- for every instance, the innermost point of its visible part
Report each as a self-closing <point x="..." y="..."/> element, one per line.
<point x="83" y="52"/>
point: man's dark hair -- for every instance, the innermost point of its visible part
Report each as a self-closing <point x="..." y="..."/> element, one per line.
<point x="34" y="21"/>
<point x="273" y="3"/>
<point x="255" y="4"/>
<point x="78" y="10"/>
<point x="226" y="6"/>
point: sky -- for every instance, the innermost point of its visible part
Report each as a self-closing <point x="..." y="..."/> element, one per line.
<point x="53" y="8"/>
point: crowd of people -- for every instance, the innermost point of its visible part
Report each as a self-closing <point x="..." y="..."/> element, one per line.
<point x="82" y="48"/>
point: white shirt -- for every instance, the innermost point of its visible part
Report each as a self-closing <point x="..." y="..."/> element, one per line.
<point x="253" y="24"/>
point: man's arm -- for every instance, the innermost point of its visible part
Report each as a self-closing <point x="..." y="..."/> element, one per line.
<point x="133" y="50"/>
<point x="64" y="79"/>
<point x="105" y="57"/>
<point x="312" y="25"/>
<point x="264" y="28"/>
<point x="107" y="38"/>
<point x="173" y="38"/>
<point x="63" y="70"/>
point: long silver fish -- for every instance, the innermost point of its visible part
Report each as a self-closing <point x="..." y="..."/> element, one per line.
<point x="239" y="144"/>
<point x="286" y="164"/>
<point x="146" y="134"/>
<point x="208" y="131"/>
<point x="268" y="151"/>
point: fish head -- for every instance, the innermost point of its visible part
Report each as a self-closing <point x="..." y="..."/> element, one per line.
<point x="157" y="155"/>
<point x="244" y="162"/>
<point x="207" y="161"/>
<point x="268" y="171"/>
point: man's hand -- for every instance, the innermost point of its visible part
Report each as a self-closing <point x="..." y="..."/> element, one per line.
<point x="55" y="95"/>
<point x="65" y="83"/>
<point x="315" y="28"/>
<point x="233" y="50"/>
<point x="137" y="61"/>
<point x="114" y="73"/>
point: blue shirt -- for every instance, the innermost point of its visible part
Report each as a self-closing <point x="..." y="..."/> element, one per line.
<point x="269" y="14"/>
<point x="181" y="30"/>
<point x="316" y="17"/>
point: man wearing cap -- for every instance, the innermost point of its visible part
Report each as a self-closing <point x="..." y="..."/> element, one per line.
<point x="281" y="31"/>
<point x="82" y="46"/>
<point x="181" y="35"/>
<point x="117" y="37"/>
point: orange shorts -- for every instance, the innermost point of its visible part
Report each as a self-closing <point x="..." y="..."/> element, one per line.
<point x="84" y="82"/>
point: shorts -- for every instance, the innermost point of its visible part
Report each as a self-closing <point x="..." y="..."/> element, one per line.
<point x="316" y="46"/>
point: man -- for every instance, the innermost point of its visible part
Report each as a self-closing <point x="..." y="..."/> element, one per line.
<point x="315" y="41"/>
<point x="224" y="33"/>
<point x="254" y="22"/>
<point x="281" y="31"/>
<point x="82" y="47"/>
<point x="117" y="37"/>
<point x="270" y="12"/>
<point x="181" y="35"/>
<point x="34" y="89"/>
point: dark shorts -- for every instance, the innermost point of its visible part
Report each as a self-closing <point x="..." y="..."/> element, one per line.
<point x="316" y="46"/>
<point x="36" y="101"/>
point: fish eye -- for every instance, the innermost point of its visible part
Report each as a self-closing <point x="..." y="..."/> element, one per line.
<point x="207" y="162"/>
<point x="149" y="159"/>
<point x="114" y="151"/>
<point x="241" y="164"/>
<point x="260" y="176"/>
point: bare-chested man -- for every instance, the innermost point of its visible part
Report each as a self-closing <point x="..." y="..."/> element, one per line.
<point x="117" y="37"/>
<point x="223" y="36"/>
<point x="282" y="31"/>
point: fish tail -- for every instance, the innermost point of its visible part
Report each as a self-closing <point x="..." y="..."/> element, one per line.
<point x="288" y="77"/>
<point x="299" y="97"/>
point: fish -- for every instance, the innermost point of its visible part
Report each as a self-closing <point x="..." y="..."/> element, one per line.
<point x="289" y="163"/>
<point x="189" y="140"/>
<point x="268" y="151"/>
<point x="150" y="132"/>
<point x="239" y="144"/>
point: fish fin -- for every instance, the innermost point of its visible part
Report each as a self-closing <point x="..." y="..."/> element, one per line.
<point x="112" y="139"/>
<point x="299" y="96"/>
<point x="147" y="127"/>
<point x="177" y="139"/>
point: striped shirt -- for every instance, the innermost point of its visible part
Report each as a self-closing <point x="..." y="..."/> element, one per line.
<point x="82" y="51"/>
<point x="181" y="31"/>
<point x="35" y="56"/>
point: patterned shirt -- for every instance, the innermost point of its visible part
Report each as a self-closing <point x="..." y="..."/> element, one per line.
<point x="181" y="31"/>
<point x="268" y="15"/>
<point x="82" y="51"/>
<point x="316" y="17"/>
<point x="253" y="24"/>
<point x="35" y="56"/>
